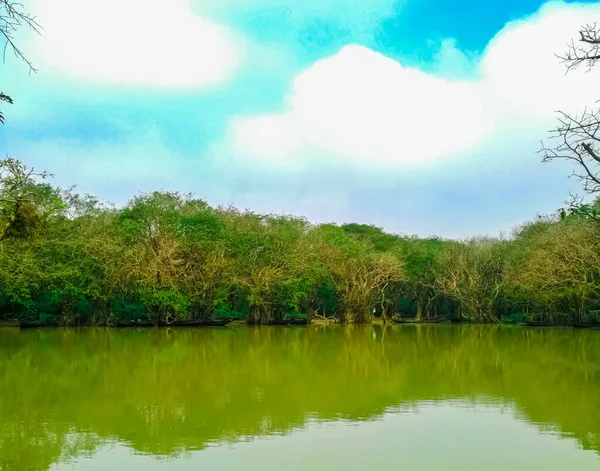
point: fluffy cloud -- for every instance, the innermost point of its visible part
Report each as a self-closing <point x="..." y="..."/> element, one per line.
<point x="134" y="42"/>
<point x="360" y="107"/>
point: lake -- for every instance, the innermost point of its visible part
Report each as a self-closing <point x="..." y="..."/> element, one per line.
<point x="351" y="398"/>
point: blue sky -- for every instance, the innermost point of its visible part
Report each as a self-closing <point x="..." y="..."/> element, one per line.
<point x="421" y="116"/>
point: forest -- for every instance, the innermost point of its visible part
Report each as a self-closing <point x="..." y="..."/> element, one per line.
<point x="69" y="259"/>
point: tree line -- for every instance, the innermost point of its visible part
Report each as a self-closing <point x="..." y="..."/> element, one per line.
<point x="69" y="259"/>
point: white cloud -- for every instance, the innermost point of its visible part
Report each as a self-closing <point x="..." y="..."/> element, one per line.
<point x="453" y="63"/>
<point x="523" y="74"/>
<point x="360" y="107"/>
<point x="135" y="42"/>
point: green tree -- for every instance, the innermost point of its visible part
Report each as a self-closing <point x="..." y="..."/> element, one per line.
<point x="472" y="273"/>
<point x="360" y="274"/>
<point x="558" y="268"/>
<point x="25" y="204"/>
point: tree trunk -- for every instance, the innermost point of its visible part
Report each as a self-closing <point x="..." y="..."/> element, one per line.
<point x="419" y="310"/>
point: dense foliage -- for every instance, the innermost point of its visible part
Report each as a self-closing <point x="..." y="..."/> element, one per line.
<point x="67" y="259"/>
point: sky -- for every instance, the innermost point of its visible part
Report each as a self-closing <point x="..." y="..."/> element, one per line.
<point x="419" y="116"/>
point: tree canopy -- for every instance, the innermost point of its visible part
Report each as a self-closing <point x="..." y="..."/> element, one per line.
<point x="66" y="258"/>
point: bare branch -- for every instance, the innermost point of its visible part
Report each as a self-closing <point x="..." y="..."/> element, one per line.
<point x="587" y="51"/>
<point x="12" y="18"/>
<point x="576" y="139"/>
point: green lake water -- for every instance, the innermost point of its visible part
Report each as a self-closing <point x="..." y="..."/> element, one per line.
<point x="354" y="398"/>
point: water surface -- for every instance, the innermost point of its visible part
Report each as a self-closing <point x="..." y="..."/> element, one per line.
<point x="300" y="398"/>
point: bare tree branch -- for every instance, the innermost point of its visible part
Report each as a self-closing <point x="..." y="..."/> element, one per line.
<point x="576" y="139"/>
<point x="12" y="18"/>
<point x="587" y="51"/>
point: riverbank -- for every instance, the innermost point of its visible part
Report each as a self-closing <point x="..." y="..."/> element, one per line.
<point x="378" y="321"/>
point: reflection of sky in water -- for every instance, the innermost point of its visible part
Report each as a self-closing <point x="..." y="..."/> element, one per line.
<point x="453" y="435"/>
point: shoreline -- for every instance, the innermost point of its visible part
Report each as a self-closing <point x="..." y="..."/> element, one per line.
<point x="314" y="322"/>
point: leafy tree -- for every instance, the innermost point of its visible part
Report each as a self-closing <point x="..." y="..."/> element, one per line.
<point x="25" y="204"/>
<point x="420" y="257"/>
<point x="359" y="274"/>
<point x="473" y="274"/>
<point x="559" y="268"/>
